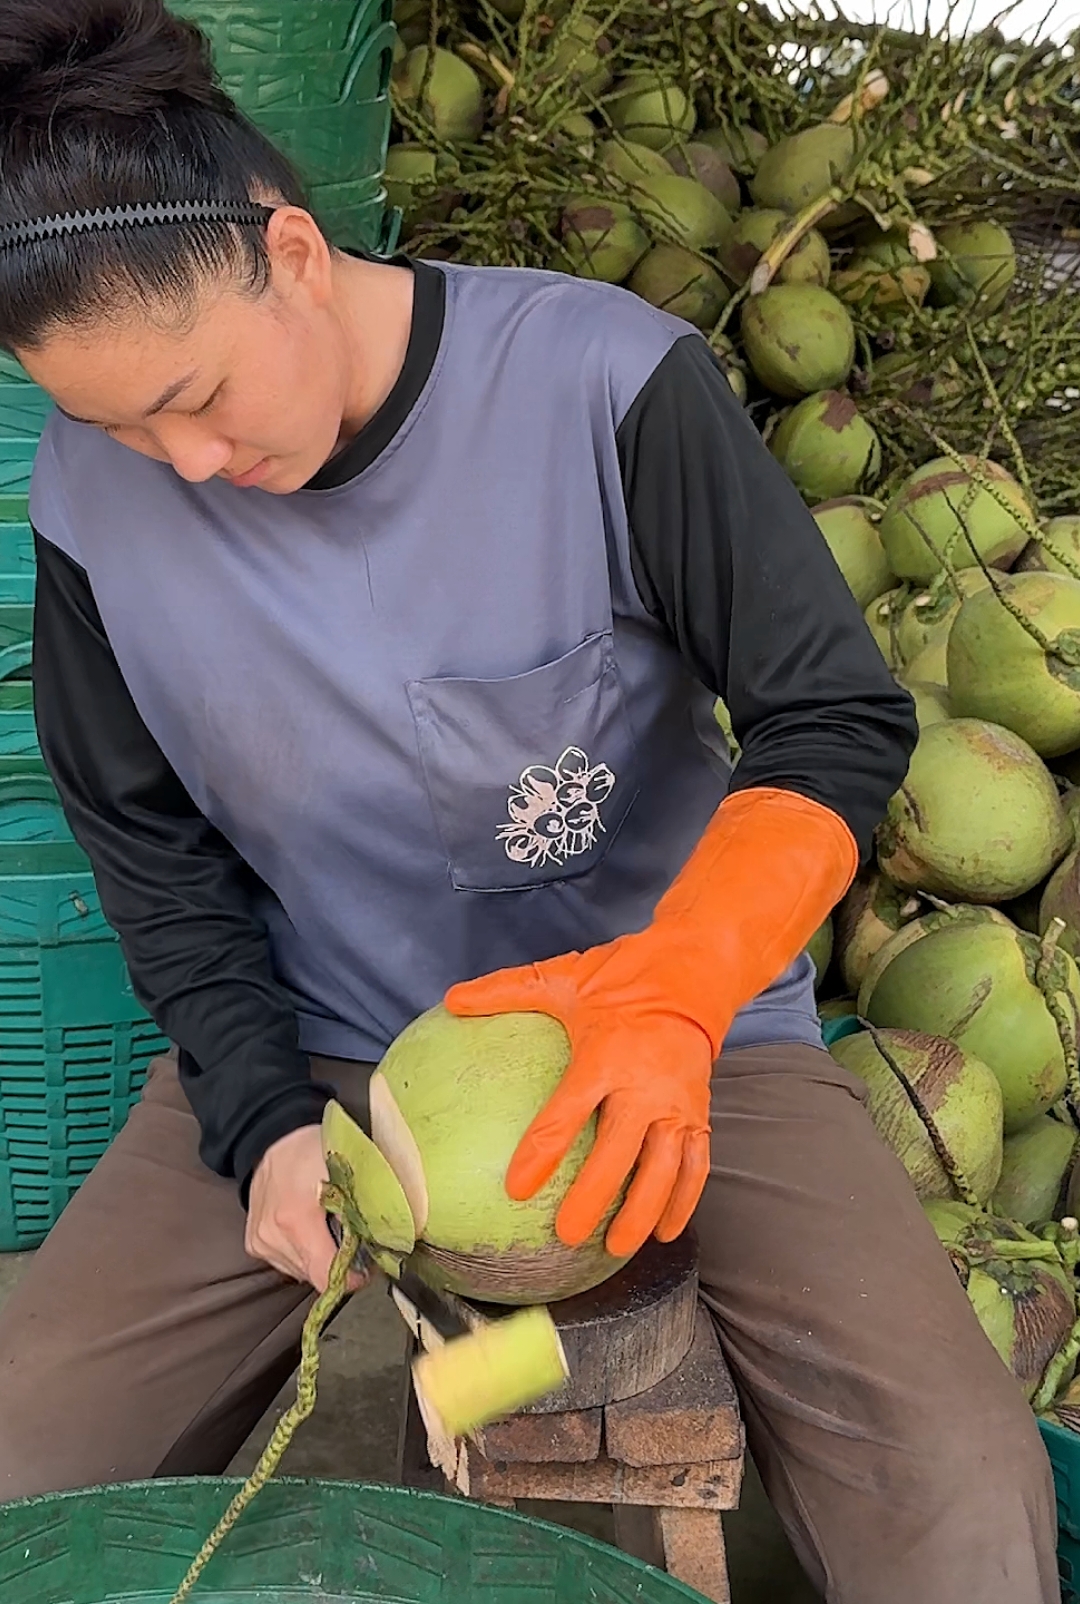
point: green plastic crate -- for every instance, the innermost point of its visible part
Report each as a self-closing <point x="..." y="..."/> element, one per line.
<point x="1064" y="1449"/>
<point x="14" y="506"/>
<point x="16" y="466"/>
<point x="74" y="1043"/>
<point x="284" y="27"/>
<point x="24" y="410"/>
<point x="317" y="79"/>
<point x="12" y="370"/>
<point x="335" y="143"/>
<point x="357" y="227"/>
<point x="17" y="549"/>
<point x="18" y="731"/>
<point x="30" y="808"/>
<point x="307" y="1542"/>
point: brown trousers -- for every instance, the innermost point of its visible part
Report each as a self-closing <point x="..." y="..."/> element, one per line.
<point x="897" y="1449"/>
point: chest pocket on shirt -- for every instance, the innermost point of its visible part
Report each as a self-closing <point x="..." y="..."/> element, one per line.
<point x="530" y="777"/>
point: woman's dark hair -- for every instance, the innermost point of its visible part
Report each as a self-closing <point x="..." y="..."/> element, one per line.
<point x="111" y="103"/>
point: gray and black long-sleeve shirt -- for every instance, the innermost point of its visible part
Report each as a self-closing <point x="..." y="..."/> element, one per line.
<point x="447" y="708"/>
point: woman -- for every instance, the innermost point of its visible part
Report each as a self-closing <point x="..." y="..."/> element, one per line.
<point x="381" y="608"/>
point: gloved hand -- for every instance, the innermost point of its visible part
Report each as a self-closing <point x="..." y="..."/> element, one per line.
<point x="646" y="1014"/>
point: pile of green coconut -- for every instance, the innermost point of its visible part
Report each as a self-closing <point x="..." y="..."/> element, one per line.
<point x="861" y="282"/>
<point x="949" y="972"/>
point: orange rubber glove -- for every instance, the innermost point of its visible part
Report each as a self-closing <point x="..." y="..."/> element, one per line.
<point x="646" y="1014"/>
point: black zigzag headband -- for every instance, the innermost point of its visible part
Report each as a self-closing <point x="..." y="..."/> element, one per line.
<point x="208" y="211"/>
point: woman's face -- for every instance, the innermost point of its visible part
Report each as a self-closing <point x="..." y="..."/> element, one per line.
<point x="258" y="390"/>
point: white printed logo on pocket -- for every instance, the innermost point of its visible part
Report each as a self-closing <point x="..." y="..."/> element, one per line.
<point x="555" y="813"/>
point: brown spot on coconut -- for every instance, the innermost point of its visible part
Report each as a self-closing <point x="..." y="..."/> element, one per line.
<point x="849" y="525"/>
<point x="940" y="511"/>
<point x="1014" y="658"/>
<point x="602" y="239"/>
<point x="869" y="916"/>
<point x="985" y="986"/>
<point x="937" y="1107"/>
<point x="709" y="168"/>
<point x="978" y="817"/>
<point x="466" y="1090"/>
<point x="1034" y="1164"/>
<point x="827" y="448"/>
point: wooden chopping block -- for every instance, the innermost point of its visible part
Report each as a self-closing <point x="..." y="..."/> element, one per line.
<point x="627" y="1334"/>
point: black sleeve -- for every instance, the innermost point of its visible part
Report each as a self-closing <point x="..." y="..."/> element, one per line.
<point x="727" y="557"/>
<point x="181" y="899"/>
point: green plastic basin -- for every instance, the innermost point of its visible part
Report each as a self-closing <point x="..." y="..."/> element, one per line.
<point x="307" y="1542"/>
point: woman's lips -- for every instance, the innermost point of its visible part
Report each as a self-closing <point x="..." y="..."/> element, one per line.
<point x="253" y="476"/>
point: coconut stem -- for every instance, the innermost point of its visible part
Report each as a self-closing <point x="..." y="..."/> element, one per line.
<point x="780" y="248"/>
<point x="937" y="1141"/>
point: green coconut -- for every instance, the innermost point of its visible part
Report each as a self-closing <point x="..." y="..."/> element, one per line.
<point x="1033" y="1169"/>
<point x="454" y="99"/>
<point x="931" y="702"/>
<point x="741" y="148"/>
<point x="679" y="282"/>
<point x="869" y="916"/>
<point x="927" y="667"/>
<point x="1061" y="900"/>
<point x="450" y="1102"/>
<point x="828" y="449"/>
<point x="926" y="1096"/>
<point x="836" y="1008"/>
<point x="683" y="209"/>
<point x="709" y="168"/>
<point x="983" y="984"/>
<point x="883" y="275"/>
<point x="576" y="57"/>
<point x="574" y="128"/>
<point x="409" y="177"/>
<point x="941" y="917"/>
<point x="631" y="161"/>
<point x="1025" y="1305"/>
<point x="798" y="339"/>
<point x="1001" y="670"/>
<point x="883" y="619"/>
<point x="978" y="817"/>
<point x="975" y="265"/>
<point x="820" y="949"/>
<point x="651" y="111"/>
<point x="1058" y="550"/>
<point x="928" y="618"/>
<point x="804" y="167"/>
<point x="754" y="231"/>
<point x="602" y="239"/>
<point x="849" y="525"/>
<point x="939" y="511"/>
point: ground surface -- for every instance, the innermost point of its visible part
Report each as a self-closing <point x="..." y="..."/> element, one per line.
<point x="353" y="1435"/>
